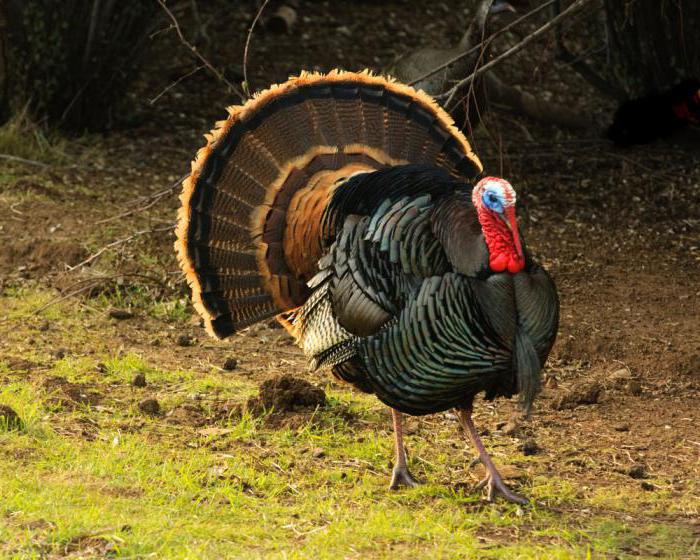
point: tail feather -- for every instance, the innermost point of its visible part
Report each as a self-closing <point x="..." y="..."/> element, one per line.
<point x="249" y="234"/>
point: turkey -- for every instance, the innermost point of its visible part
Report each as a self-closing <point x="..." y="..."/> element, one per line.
<point x="644" y="120"/>
<point x="350" y="207"/>
<point x="416" y="65"/>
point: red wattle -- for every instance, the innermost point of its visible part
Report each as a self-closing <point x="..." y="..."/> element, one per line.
<point x="498" y="263"/>
<point x="505" y="252"/>
<point x="515" y="264"/>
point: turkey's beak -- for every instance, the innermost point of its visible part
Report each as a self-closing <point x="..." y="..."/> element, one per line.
<point x="512" y="223"/>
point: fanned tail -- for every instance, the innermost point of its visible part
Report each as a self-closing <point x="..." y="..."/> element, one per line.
<point x="249" y="230"/>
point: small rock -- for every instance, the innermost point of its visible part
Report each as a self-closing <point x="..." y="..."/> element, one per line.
<point x="139" y="380"/>
<point x="620" y="377"/>
<point x="120" y="314"/>
<point x="637" y="472"/>
<point x="511" y="427"/>
<point x="530" y="447"/>
<point x="621" y="428"/>
<point x="184" y="340"/>
<point x="647" y="486"/>
<point x="586" y="392"/>
<point x="317" y="453"/>
<point x="150" y="407"/>
<point x="230" y="364"/>
<point x="9" y="419"/>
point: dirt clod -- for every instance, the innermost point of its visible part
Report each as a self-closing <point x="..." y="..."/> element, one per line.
<point x="287" y="393"/>
<point x="530" y="447"/>
<point x="583" y="393"/>
<point x="637" y="472"/>
<point x="120" y="314"/>
<point x="139" y="380"/>
<point x="20" y="364"/>
<point x="150" y="407"/>
<point x="621" y="427"/>
<point x="230" y="364"/>
<point x="9" y="419"/>
<point x="648" y="486"/>
<point x="69" y="394"/>
<point x="185" y="340"/>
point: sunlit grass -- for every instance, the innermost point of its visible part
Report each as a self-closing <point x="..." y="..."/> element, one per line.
<point x="242" y="487"/>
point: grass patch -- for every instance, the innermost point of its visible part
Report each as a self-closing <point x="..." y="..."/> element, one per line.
<point x="97" y="480"/>
<point x="20" y="137"/>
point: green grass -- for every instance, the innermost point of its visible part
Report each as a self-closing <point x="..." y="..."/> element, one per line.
<point x="22" y="138"/>
<point x="90" y="481"/>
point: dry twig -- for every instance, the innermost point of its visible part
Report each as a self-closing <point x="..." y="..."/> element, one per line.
<point x="175" y="25"/>
<point x="25" y="161"/>
<point x="485" y="42"/>
<point x="171" y="86"/>
<point x="146" y="202"/>
<point x="120" y="242"/>
<point x="450" y="94"/>
<point x="246" y="83"/>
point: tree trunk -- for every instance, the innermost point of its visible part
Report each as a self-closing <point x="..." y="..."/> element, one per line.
<point x="654" y="44"/>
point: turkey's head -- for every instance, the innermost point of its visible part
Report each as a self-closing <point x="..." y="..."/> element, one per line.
<point x="494" y="200"/>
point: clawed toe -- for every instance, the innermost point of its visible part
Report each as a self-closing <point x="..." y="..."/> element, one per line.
<point x="496" y="487"/>
<point x="402" y="477"/>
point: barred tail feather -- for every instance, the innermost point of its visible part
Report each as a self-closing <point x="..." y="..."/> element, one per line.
<point x="249" y="229"/>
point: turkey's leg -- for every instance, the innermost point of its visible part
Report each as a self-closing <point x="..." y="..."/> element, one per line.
<point x="493" y="480"/>
<point x="400" y="476"/>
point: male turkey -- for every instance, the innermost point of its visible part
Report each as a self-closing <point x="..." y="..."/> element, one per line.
<point x="415" y="65"/>
<point x="644" y="120"/>
<point x="343" y="205"/>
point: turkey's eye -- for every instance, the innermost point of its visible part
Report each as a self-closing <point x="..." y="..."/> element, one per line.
<point x="493" y="202"/>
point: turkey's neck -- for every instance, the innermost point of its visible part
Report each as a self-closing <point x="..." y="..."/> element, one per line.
<point x="505" y="251"/>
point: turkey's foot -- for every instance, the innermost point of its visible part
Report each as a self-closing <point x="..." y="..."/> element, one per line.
<point x="496" y="487"/>
<point x="493" y="481"/>
<point x="401" y="476"/>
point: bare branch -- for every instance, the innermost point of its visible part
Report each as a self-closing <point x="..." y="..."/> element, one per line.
<point x="120" y="242"/>
<point x="146" y="202"/>
<point x="233" y="87"/>
<point x="246" y="83"/>
<point x="486" y="41"/>
<point x="88" y="284"/>
<point x="513" y="50"/>
<point x="580" y="67"/>
<point x="171" y="86"/>
<point x="24" y="160"/>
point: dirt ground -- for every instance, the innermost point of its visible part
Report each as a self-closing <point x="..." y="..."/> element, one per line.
<point x="617" y="229"/>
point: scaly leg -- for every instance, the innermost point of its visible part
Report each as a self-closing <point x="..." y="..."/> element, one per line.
<point x="493" y="480"/>
<point x="400" y="476"/>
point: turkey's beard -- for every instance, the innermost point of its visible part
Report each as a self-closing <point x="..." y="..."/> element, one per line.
<point x="503" y="242"/>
